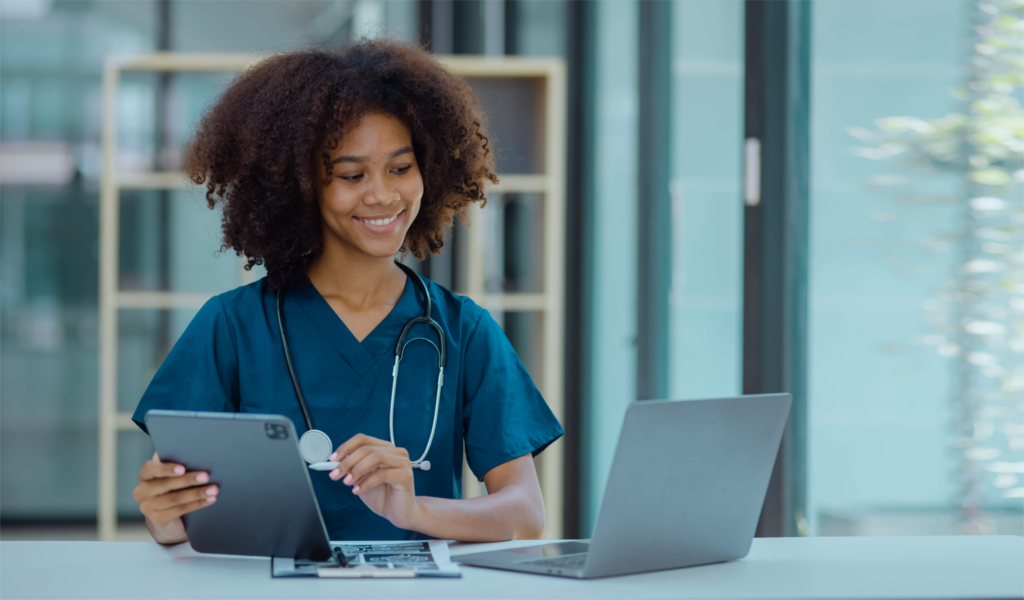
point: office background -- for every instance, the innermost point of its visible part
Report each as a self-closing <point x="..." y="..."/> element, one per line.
<point x="873" y="269"/>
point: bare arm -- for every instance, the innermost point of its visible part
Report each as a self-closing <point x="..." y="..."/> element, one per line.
<point x="381" y="475"/>
<point x="513" y="508"/>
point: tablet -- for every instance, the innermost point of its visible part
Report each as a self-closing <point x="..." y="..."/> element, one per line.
<point x="266" y="505"/>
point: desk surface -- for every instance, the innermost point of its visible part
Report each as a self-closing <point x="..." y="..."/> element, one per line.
<point x="826" y="567"/>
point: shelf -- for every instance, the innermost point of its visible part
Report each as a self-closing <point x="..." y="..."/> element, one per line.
<point x="466" y="66"/>
<point x="153" y="180"/>
<point x="160" y="300"/>
<point x="547" y="77"/>
<point x="520" y="183"/>
<point x="499" y="66"/>
<point x="123" y="421"/>
<point x="182" y="300"/>
<point x="176" y="180"/>
<point x="511" y="302"/>
<point x="186" y="61"/>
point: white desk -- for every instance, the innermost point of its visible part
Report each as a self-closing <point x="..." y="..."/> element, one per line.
<point x="852" y="567"/>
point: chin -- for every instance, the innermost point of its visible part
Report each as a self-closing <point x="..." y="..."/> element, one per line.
<point x="378" y="250"/>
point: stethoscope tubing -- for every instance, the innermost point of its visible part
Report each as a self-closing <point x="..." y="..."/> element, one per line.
<point x="426" y="318"/>
<point x="291" y="367"/>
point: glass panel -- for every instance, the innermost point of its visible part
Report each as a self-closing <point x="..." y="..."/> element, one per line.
<point x="612" y="192"/>
<point x="48" y="282"/>
<point x="513" y="243"/>
<point x="284" y="26"/>
<point x="136" y="122"/>
<point x="540" y="28"/>
<point x="51" y="57"/>
<point x="66" y="448"/>
<point x="170" y="240"/>
<point x="144" y="339"/>
<point x="515" y="112"/>
<point x="523" y="240"/>
<point x="48" y="353"/>
<point x="525" y="332"/>
<point x="706" y="297"/>
<point x="133" y="449"/>
<point x="915" y="421"/>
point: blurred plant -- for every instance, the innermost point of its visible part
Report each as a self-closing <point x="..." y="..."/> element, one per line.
<point x="979" y="314"/>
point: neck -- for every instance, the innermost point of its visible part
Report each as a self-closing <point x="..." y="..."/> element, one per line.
<point x="358" y="279"/>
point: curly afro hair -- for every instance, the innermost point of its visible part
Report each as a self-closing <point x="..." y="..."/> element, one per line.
<point x="256" y="147"/>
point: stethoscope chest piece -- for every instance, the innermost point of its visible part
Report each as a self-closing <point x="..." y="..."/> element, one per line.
<point x="315" y="446"/>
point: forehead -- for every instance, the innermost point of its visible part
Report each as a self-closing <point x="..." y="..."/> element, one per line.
<point x="374" y="133"/>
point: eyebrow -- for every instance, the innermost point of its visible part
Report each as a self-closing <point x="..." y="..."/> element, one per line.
<point x="359" y="159"/>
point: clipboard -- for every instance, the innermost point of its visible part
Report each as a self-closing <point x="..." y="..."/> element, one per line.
<point x="374" y="560"/>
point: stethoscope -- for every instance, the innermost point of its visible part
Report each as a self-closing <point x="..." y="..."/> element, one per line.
<point x="315" y="445"/>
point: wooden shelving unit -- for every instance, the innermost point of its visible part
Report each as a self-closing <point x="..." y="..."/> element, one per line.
<point x="548" y="302"/>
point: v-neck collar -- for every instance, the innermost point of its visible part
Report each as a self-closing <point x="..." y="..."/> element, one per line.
<point x="359" y="355"/>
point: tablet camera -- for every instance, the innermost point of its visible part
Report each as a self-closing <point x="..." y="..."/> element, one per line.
<point x="276" y="431"/>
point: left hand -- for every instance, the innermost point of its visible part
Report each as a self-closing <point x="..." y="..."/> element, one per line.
<point x="381" y="475"/>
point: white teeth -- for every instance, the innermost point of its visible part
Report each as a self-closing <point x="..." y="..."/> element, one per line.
<point x="380" y="221"/>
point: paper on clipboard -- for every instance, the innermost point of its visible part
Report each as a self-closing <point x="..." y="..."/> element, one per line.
<point x="376" y="560"/>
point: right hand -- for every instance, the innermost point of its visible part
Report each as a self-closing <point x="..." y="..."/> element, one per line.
<point x="166" y="491"/>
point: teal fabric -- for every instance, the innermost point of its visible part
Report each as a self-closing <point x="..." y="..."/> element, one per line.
<point x="230" y="359"/>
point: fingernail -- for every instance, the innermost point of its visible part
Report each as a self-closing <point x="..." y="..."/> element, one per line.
<point x="211" y="499"/>
<point x="179" y="470"/>
<point x="202" y="477"/>
<point x="335" y="473"/>
<point x="355" y="490"/>
<point x="333" y="457"/>
<point x="212" y="490"/>
<point x="348" y="479"/>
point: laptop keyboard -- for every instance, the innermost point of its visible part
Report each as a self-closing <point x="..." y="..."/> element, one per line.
<point x="573" y="561"/>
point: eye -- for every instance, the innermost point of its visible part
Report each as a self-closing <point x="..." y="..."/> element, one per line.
<point x="350" y="177"/>
<point x="403" y="170"/>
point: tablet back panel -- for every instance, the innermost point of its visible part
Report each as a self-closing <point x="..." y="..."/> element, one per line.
<point x="266" y="505"/>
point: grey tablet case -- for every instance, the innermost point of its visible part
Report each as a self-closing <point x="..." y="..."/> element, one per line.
<point x="266" y="505"/>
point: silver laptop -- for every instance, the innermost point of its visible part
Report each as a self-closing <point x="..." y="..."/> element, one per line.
<point x="686" y="488"/>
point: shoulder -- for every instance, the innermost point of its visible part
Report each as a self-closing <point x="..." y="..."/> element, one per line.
<point x="242" y="295"/>
<point x="455" y="308"/>
<point x="233" y="310"/>
<point x="243" y="298"/>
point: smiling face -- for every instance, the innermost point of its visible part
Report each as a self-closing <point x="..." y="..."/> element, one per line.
<point x="375" y="189"/>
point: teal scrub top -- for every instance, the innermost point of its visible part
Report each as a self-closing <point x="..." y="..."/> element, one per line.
<point x="230" y="359"/>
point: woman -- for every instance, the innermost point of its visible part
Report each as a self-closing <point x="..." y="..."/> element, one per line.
<point x="327" y="165"/>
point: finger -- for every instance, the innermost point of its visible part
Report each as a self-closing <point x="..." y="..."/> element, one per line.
<point x="169" y="484"/>
<point x="183" y="509"/>
<point x="166" y="501"/>
<point x="354" y="442"/>
<point x="380" y="476"/>
<point x="345" y="466"/>
<point x="154" y="469"/>
<point x="373" y="461"/>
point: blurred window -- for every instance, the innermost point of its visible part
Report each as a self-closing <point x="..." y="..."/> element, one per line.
<point x="50" y="66"/>
<point x="706" y="292"/>
<point x="915" y="376"/>
<point x="613" y="198"/>
<point x="51" y="60"/>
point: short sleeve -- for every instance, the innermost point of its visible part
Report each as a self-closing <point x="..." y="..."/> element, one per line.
<point x="201" y="371"/>
<point x="505" y="416"/>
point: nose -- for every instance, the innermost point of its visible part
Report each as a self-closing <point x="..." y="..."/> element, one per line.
<point x="382" y="194"/>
